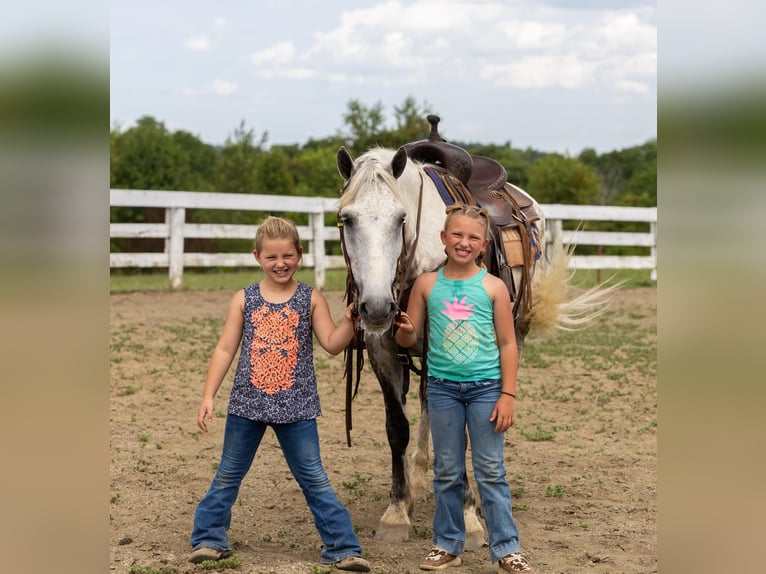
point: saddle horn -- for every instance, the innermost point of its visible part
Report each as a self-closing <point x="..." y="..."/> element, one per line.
<point x="438" y="151"/>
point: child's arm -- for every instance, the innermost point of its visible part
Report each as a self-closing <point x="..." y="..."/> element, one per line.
<point x="504" y="413"/>
<point x="333" y="338"/>
<point x="410" y="324"/>
<point x="223" y="355"/>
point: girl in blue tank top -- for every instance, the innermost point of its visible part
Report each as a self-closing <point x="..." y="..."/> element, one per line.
<point x="472" y="362"/>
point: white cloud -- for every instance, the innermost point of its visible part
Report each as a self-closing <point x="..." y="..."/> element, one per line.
<point x="627" y="31"/>
<point x="197" y="43"/>
<point x="277" y="55"/>
<point x="632" y="87"/>
<point x="223" y="88"/>
<point x="216" y="88"/>
<point x="534" y="35"/>
<point x="507" y="44"/>
<point x="219" y="24"/>
<point x="541" y="72"/>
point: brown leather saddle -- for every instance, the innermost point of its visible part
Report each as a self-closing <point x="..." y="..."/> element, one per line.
<point x="482" y="181"/>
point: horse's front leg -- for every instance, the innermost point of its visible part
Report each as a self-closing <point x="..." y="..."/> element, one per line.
<point x="474" y="532"/>
<point x="419" y="458"/>
<point x="394" y="525"/>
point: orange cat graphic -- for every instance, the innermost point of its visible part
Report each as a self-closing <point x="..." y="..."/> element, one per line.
<point x="274" y="352"/>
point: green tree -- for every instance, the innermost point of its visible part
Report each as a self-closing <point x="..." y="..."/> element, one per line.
<point x="147" y="157"/>
<point x="198" y="162"/>
<point x="625" y="171"/>
<point x="558" y="179"/>
<point x="273" y="174"/>
<point x="641" y="189"/>
<point x="239" y="159"/>
<point x="316" y="173"/>
<point x="411" y="122"/>
<point x="364" y="124"/>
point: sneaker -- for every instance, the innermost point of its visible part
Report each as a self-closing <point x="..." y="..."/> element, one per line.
<point x="205" y="553"/>
<point x="439" y="559"/>
<point x="353" y="564"/>
<point x="513" y="563"/>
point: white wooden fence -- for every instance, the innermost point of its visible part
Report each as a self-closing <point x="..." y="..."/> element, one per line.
<point x="175" y="229"/>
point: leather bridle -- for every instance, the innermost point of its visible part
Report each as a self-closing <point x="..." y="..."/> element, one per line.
<point x="404" y="270"/>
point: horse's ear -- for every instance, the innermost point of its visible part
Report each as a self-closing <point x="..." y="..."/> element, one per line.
<point x="345" y="163"/>
<point x="399" y="162"/>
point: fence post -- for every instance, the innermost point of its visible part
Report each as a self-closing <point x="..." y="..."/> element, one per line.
<point x="318" y="249"/>
<point x="557" y="232"/>
<point x="175" y="217"/>
<point x="653" y="250"/>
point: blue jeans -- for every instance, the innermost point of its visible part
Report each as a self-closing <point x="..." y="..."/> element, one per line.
<point x="452" y="406"/>
<point x="300" y="445"/>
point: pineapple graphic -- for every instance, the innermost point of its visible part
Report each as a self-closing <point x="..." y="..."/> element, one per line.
<point x="460" y="340"/>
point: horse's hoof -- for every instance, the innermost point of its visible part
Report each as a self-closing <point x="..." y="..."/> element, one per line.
<point x="392" y="533"/>
<point x="473" y="541"/>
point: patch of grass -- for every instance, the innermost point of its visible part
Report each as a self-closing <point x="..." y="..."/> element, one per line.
<point x="539" y="434"/>
<point x="358" y="479"/>
<point x="555" y="491"/>
<point x="127" y="391"/>
<point x="233" y="561"/>
<point x="136" y="569"/>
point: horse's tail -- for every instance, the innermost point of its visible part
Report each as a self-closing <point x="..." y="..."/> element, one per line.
<point x="551" y="309"/>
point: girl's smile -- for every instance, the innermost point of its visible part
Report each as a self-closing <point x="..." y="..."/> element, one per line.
<point x="279" y="259"/>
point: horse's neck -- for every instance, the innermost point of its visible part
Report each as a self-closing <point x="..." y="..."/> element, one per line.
<point x="429" y="253"/>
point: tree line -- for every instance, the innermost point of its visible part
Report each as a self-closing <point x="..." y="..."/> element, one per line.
<point x="150" y="156"/>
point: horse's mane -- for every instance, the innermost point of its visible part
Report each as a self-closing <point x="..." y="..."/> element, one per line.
<point x="369" y="167"/>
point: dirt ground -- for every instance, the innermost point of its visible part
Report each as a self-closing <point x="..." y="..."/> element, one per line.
<point x="581" y="458"/>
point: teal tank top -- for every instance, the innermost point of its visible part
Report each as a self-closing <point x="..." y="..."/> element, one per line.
<point x="462" y="345"/>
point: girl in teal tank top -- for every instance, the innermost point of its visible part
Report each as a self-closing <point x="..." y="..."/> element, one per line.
<point x="472" y="361"/>
<point x="461" y="343"/>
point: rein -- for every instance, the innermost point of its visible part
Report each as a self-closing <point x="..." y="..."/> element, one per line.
<point x="353" y="372"/>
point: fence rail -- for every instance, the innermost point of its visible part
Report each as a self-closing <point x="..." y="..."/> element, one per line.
<point x="175" y="229"/>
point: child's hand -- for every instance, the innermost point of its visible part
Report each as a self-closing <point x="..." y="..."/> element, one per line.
<point x="404" y="323"/>
<point x="205" y="414"/>
<point x="504" y="413"/>
<point x="352" y="313"/>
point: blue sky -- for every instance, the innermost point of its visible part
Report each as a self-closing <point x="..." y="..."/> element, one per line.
<point x="552" y="75"/>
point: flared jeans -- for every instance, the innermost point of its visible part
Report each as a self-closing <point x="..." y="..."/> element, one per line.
<point x="300" y="445"/>
<point x="452" y="407"/>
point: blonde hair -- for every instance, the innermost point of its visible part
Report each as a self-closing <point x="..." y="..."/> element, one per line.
<point x="277" y="228"/>
<point x="471" y="211"/>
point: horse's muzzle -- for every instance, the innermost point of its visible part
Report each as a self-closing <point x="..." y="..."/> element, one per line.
<point x="377" y="313"/>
